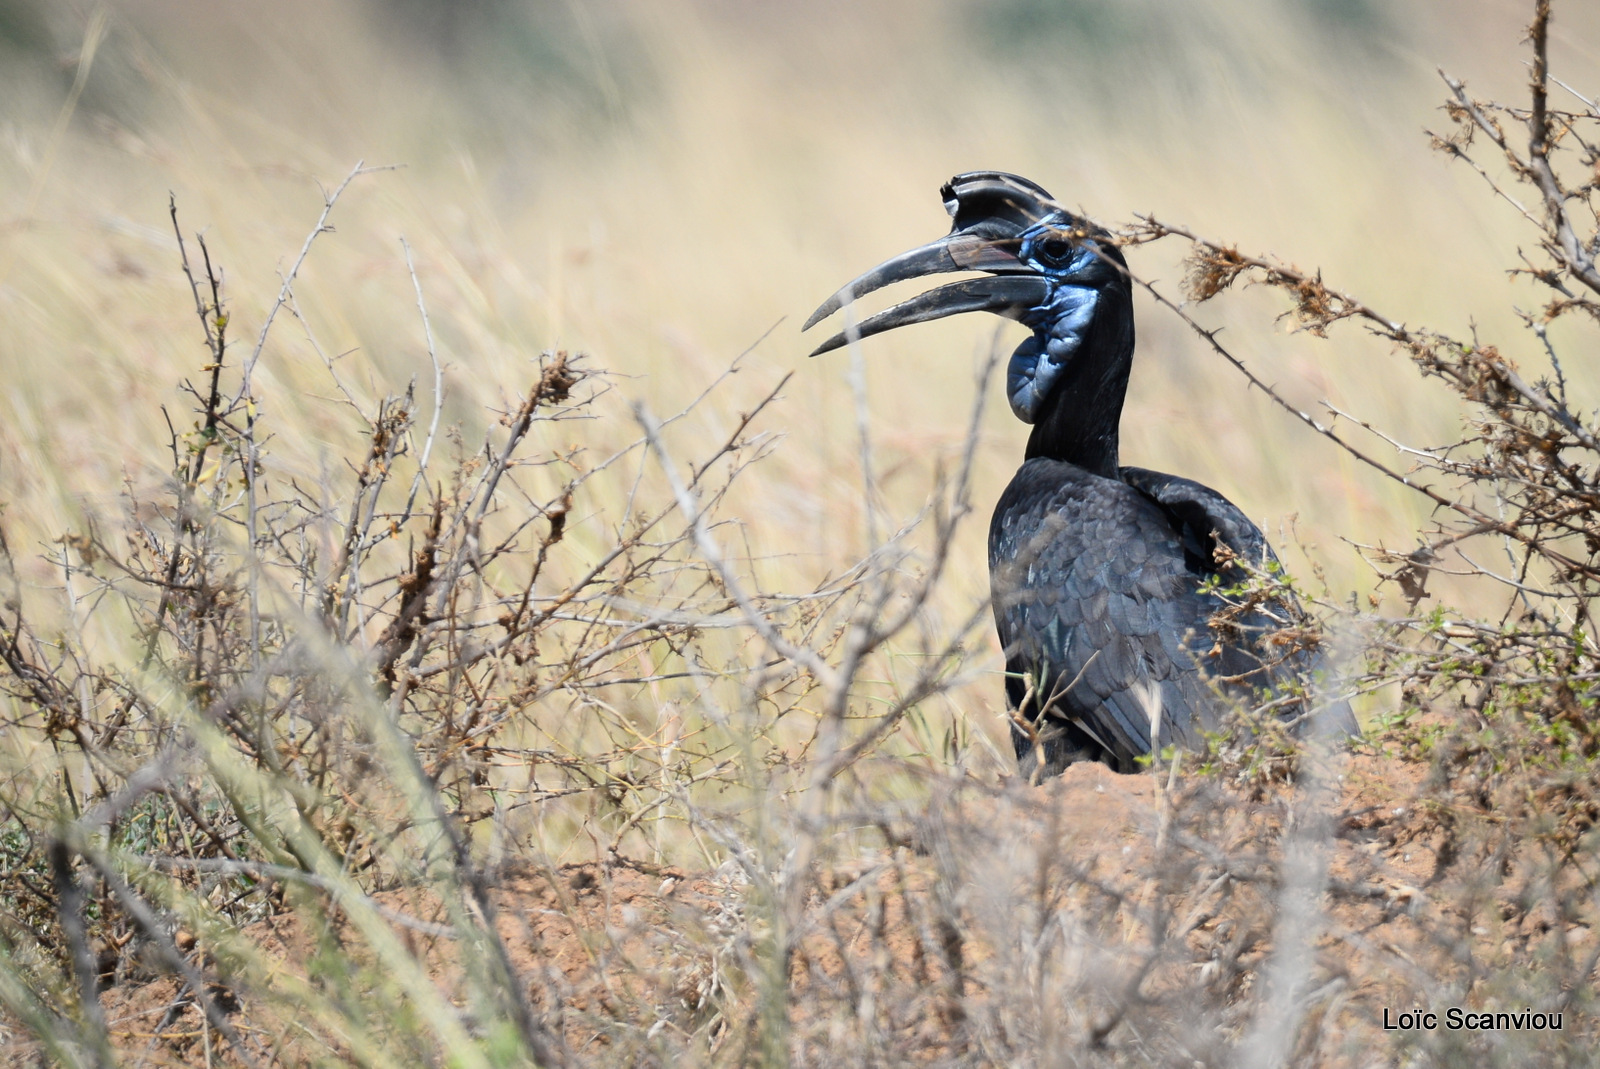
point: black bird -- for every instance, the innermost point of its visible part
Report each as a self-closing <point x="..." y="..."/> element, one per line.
<point x="1105" y="579"/>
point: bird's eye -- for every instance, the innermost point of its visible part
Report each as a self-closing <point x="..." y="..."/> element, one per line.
<point x="1055" y="251"/>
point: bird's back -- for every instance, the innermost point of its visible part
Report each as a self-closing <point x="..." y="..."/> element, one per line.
<point x="1098" y="599"/>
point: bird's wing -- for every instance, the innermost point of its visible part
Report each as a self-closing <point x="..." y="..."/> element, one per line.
<point x="1099" y="610"/>
<point x="1205" y="520"/>
<point x="1098" y="601"/>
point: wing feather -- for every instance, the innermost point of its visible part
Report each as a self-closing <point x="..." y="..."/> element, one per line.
<point x="1098" y="601"/>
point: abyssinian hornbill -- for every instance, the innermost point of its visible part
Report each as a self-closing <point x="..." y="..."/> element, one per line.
<point x="1105" y="579"/>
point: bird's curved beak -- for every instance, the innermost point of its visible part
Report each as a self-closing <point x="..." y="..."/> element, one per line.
<point x="1013" y="289"/>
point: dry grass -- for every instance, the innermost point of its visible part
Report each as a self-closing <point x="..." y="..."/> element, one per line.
<point x="410" y="689"/>
<point x="630" y="226"/>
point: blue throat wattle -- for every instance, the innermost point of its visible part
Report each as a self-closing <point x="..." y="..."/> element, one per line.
<point x="1059" y="327"/>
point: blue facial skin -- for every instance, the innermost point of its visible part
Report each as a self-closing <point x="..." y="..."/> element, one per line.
<point x="1060" y="323"/>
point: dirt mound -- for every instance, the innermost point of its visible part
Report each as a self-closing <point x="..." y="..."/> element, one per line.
<point x="1155" y="892"/>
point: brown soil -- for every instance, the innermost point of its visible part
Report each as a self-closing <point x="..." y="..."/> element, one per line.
<point x="609" y="954"/>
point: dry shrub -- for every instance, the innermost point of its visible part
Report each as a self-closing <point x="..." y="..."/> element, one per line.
<point x="350" y="711"/>
<point x="500" y="753"/>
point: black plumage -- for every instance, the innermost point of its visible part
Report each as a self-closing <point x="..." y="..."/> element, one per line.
<point x="1105" y="579"/>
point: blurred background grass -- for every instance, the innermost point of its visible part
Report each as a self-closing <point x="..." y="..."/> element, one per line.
<point x="659" y="183"/>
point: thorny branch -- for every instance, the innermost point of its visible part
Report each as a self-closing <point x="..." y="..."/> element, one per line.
<point x="425" y="680"/>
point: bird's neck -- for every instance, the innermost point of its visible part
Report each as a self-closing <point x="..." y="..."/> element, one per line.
<point x="1079" y="420"/>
